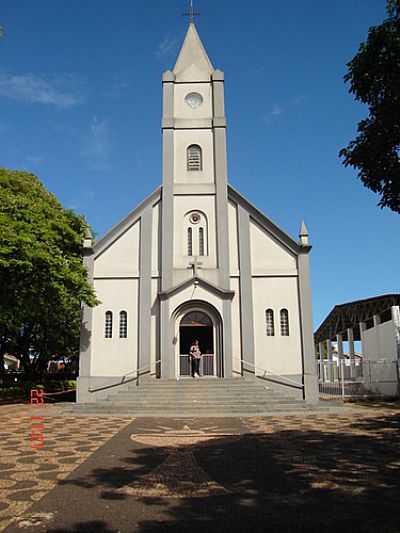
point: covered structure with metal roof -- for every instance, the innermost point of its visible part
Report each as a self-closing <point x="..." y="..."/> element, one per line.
<point x="373" y="321"/>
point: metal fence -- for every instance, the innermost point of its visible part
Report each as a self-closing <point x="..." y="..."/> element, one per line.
<point x="206" y="365"/>
<point x="357" y="379"/>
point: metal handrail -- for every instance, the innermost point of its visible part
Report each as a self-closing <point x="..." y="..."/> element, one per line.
<point x="268" y="373"/>
<point x="123" y="380"/>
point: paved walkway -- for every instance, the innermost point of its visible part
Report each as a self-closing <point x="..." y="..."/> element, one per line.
<point x="324" y="472"/>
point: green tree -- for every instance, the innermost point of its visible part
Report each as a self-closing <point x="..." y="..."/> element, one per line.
<point x="374" y="77"/>
<point x="43" y="281"/>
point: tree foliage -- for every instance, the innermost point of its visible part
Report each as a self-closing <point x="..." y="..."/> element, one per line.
<point x="374" y="77"/>
<point x="42" y="277"/>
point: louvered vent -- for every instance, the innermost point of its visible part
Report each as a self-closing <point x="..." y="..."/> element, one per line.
<point x="194" y="159"/>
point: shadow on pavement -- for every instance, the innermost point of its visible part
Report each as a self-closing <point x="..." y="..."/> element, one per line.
<point x="289" y="480"/>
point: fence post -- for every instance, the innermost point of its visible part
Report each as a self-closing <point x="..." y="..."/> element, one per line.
<point x="342" y="376"/>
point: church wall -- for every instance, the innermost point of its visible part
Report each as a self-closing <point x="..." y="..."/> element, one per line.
<point x="115" y="356"/>
<point x="268" y="256"/>
<point x="182" y="205"/>
<point x="277" y="353"/>
<point x="236" y="327"/>
<point x="183" y="139"/>
<point x="122" y="257"/>
<point x="233" y="240"/>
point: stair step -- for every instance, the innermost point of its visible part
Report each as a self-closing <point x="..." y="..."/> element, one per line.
<point x="197" y="397"/>
<point x="202" y="394"/>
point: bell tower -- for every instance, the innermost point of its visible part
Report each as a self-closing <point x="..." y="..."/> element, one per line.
<point x="194" y="194"/>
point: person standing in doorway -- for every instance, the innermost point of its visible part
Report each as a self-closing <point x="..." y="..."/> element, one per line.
<point x="195" y="356"/>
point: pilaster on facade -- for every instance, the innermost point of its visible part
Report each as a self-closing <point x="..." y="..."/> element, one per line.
<point x="309" y="362"/>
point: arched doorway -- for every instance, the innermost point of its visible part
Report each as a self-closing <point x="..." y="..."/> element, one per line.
<point x="198" y="322"/>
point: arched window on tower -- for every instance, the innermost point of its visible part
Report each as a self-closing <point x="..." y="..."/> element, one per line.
<point x="195" y="234"/>
<point x="108" y="325"/>
<point x="189" y="241"/>
<point x="269" y="322"/>
<point x="123" y="325"/>
<point x="284" y="323"/>
<point x="194" y="158"/>
<point x="201" y="241"/>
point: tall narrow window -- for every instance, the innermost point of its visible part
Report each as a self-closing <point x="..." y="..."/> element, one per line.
<point x="284" y="323"/>
<point x="190" y="241"/>
<point x="194" y="157"/>
<point x="269" y="320"/>
<point x="123" y="325"/>
<point x="108" y="325"/>
<point x="201" y="241"/>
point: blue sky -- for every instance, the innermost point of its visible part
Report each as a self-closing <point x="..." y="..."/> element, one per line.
<point x="80" y="106"/>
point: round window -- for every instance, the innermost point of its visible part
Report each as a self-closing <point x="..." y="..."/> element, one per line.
<point x="194" y="100"/>
<point x="195" y="218"/>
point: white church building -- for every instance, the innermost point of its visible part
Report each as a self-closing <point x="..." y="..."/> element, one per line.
<point x="196" y="260"/>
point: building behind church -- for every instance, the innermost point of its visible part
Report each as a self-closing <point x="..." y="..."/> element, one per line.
<point x="196" y="260"/>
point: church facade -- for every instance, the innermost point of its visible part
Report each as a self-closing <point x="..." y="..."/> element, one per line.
<point x="196" y="260"/>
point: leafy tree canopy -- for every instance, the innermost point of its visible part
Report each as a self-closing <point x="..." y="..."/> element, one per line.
<point x="42" y="278"/>
<point x="374" y="77"/>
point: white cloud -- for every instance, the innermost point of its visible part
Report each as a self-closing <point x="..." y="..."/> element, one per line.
<point x="39" y="90"/>
<point x="34" y="159"/>
<point x="96" y="144"/>
<point x="272" y="115"/>
<point x="117" y="88"/>
<point x="166" y="47"/>
<point x="276" y="110"/>
<point x="300" y="99"/>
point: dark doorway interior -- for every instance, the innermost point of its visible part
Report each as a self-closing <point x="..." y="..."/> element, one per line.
<point x="204" y="334"/>
<point x="197" y="325"/>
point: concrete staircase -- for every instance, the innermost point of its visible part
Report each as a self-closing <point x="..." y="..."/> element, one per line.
<point x="198" y="398"/>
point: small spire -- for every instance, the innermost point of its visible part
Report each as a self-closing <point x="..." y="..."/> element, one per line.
<point x="303" y="234"/>
<point x="88" y="238"/>
<point x="88" y="233"/>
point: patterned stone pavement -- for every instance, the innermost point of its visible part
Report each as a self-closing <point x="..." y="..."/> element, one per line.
<point x="335" y="471"/>
<point x="28" y="471"/>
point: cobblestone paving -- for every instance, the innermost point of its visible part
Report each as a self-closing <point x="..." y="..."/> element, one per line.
<point x="292" y="473"/>
<point x="28" y="473"/>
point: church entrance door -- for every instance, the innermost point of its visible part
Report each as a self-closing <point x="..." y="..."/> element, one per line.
<point x="197" y="325"/>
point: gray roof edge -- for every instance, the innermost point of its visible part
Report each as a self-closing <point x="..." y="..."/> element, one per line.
<point x="369" y="300"/>
<point x="119" y="229"/>
<point x="267" y="223"/>
<point x="201" y="281"/>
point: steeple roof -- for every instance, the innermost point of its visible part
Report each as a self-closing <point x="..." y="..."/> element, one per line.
<point x="193" y="63"/>
<point x="303" y="230"/>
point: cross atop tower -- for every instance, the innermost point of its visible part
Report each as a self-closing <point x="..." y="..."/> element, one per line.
<point x="191" y="13"/>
